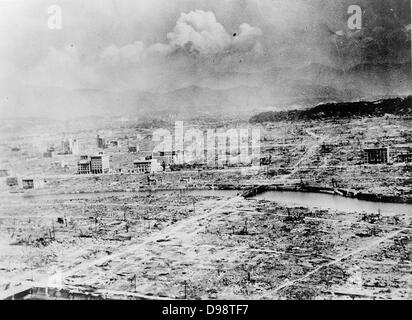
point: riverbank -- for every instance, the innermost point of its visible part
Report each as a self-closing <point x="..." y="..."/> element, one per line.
<point x="244" y="190"/>
<point x="347" y="193"/>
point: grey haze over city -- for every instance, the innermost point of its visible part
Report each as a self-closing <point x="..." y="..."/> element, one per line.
<point x="198" y="57"/>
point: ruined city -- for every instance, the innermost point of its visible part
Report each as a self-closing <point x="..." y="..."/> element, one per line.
<point x="202" y="195"/>
<point x="325" y="213"/>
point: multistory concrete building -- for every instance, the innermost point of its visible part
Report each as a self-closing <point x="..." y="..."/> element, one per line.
<point x="376" y="155"/>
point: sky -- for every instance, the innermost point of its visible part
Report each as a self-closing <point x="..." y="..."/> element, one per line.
<point x="163" y="45"/>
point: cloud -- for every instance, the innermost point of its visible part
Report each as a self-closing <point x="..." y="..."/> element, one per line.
<point x="248" y="38"/>
<point x="197" y="43"/>
<point x="198" y="32"/>
<point x="195" y="33"/>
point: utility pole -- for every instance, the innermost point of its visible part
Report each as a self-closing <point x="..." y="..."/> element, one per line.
<point x="134" y="282"/>
<point x="124" y="212"/>
<point x="194" y="208"/>
<point x="185" y="284"/>
<point x="53" y="231"/>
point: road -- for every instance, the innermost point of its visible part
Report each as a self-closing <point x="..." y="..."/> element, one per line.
<point x="296" y="168"/>
<point x="365" y="247"/>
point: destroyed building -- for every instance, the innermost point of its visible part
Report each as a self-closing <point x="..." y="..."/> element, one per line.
<point x="49" y="152"/>
<point x="83" y="165"/>
<point x="12" y="181"/>
<point x="146" y="165"/>
<point x="65" y="147"/>
<point x="168" y="157"/>
<point x="74" y="146"/>
<point x="376" y="155"/>
<point x="402" y="153"/>
<point x="405" y="157"/>
<point x="114" y="143"/>
<point x="97" y="164"/>
<point x="101" y="143"/>
<point x="68" y="146"/>
<point x="27" y="183"/>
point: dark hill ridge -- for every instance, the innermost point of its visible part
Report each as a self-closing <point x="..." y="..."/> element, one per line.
<point x="395" y="106"/>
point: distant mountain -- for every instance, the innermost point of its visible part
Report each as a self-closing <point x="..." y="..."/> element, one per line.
<point x="196" y="100"/>
<point x="319" y="70"/>
<point x="395" y="106"/>
<point x="220" y="93"/>
<point x="381" y="69"/>
<point x="184" y="102"/>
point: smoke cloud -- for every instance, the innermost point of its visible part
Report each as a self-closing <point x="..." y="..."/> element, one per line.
<point x="160" y="45"/>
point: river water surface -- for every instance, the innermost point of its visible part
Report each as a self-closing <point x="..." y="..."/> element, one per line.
<point x="334" y="202"/>
<point x="304" y="199"/>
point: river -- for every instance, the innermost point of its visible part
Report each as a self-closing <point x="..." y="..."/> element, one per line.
<point x="333" y="202"/>
<point x="291" y="198"/>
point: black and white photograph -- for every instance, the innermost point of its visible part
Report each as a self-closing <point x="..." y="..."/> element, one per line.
<point x="205" y="150"/>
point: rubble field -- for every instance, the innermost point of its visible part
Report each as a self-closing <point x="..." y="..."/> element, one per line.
<point x="212" y="247"/>
<point x="118" y="233"/>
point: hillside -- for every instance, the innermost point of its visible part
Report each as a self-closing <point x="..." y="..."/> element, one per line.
<point x="395" y="106"/>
